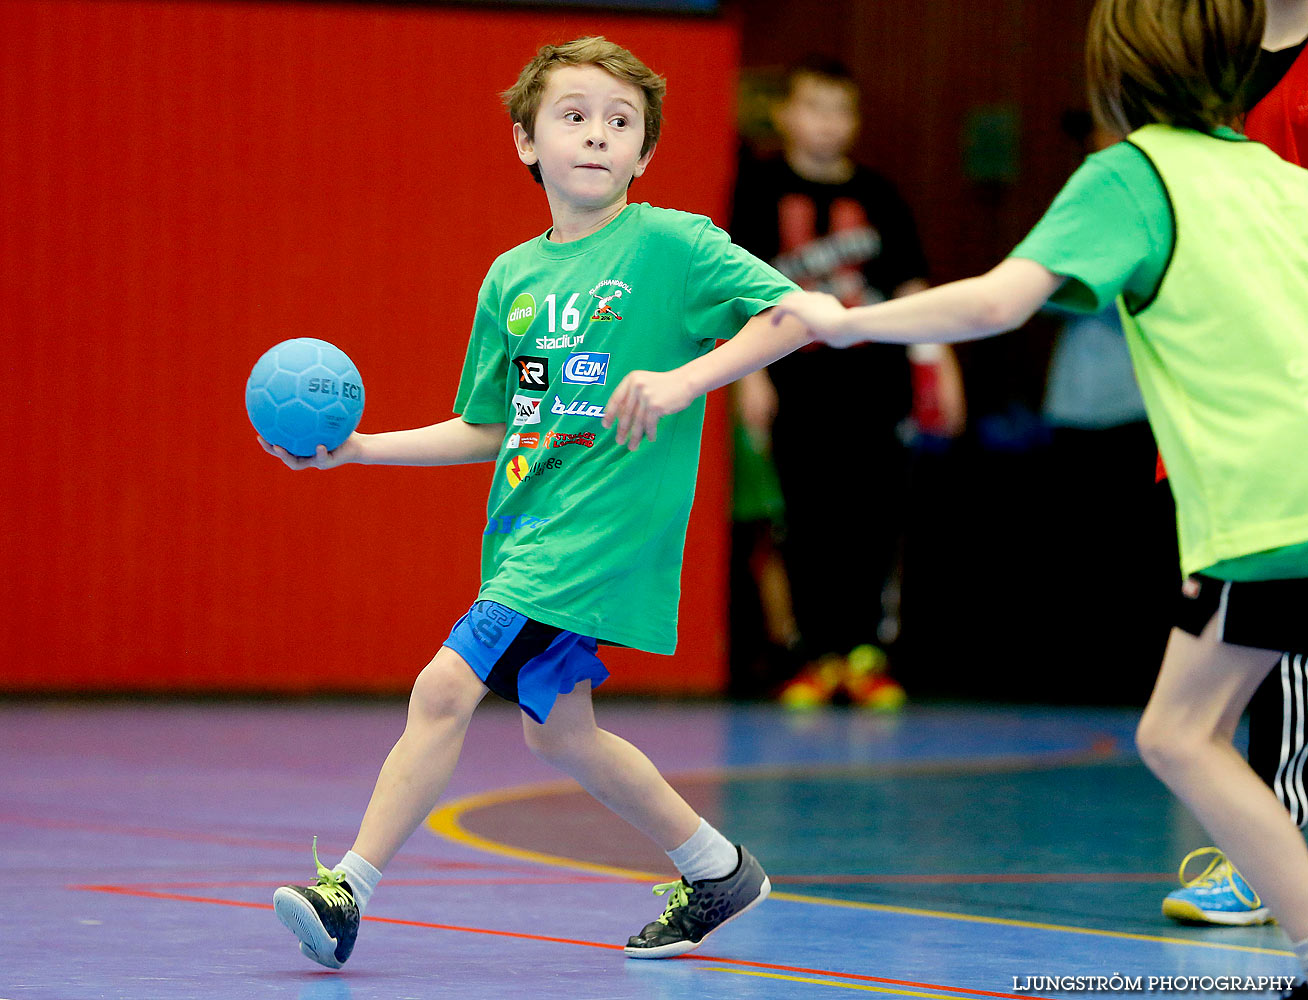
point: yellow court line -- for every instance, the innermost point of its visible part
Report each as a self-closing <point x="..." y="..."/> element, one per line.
<point x="446" y="822"/>
<point x="828" y="982"/>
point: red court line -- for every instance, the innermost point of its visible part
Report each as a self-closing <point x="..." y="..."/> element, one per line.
<point x="408" y="882"/>
<point x="130" y="891"/>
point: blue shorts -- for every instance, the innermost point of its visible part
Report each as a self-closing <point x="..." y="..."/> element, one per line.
<point x="522" y="660"/>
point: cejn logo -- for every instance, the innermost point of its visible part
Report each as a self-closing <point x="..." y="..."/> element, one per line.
<point x="586" y="368"/>
<point x="533" y="373"/>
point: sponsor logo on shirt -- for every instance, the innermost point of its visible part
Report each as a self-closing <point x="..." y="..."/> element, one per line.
<point x="586" y="368"/>
<point x="553" y="343"/>
<point x="607" y="295"/>
<point x="526" y="410"/>
<point x="521" y="313"/>
<point x="524" y="440"/>
<point x="554" y="439"/>
<point x="577" y="408"/>
<point x="519" y="469"/>
<point x="509" y="523"/>
<point x="533" y="373"/>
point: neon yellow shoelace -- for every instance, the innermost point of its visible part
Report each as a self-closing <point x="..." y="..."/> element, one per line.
<point x="680" y="890"/>
<point x="1218" y="871"/>
<point x="329" y="882"/>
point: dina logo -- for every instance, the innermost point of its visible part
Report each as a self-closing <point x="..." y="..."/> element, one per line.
<point x="521" y="313"/>
<point x="608" y="294"/>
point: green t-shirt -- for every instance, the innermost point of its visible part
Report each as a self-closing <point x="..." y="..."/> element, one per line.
<point x="582" y="533"/>
<point x="1111" y="233"/>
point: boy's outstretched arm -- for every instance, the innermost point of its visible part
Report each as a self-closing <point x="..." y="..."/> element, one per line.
<point x="1002" y="299"/>
<point x="451" y="442"/>
<point x="643" y="397"/>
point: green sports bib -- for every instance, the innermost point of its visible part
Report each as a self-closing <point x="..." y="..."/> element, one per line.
<point x="1221" y="352"/>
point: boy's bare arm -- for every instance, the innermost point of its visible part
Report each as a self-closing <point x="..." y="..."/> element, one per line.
<point x="643" y="397"/>
<point x="451" y="442"/>
<point x="1001" y="299"/>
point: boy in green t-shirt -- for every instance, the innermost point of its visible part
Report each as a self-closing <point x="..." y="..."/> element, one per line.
<point x="609" y="318"/>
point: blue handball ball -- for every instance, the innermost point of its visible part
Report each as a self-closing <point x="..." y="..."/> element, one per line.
<point x="303" y="393"/>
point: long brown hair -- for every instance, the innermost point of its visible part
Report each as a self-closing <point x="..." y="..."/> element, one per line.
<point x="1178" y="62"/>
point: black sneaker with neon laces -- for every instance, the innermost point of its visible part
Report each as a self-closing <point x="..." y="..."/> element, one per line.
<point x="696" y="909"/>
<point x="324" y="916"/>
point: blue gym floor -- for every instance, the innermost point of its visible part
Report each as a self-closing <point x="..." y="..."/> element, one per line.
<point x="949" y="851"/>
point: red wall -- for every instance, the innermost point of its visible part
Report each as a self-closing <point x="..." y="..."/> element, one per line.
<point x="181" y="186"/>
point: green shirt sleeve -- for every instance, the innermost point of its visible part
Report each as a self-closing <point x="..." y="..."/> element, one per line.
<point x="726" y="286"/>
<point x="482" y="397"/>
<point x="1109" y="231"/>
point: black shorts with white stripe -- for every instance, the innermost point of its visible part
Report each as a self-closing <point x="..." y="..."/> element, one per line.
<point x="1265" y="614"/>
<point x="1278" y="744"/>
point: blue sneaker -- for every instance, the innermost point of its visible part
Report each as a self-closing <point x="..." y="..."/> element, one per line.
<point x="1217" y="895"/>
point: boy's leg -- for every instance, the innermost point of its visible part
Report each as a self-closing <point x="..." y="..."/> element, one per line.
<point x="720" y="880"/>
<point x="1185" y="737"/>
<point x="325" y="917"/>
<point x="419" y="766"/>
<point x="610" y="769"/>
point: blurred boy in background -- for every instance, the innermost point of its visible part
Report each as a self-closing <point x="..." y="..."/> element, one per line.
<point x="834" y="419"/>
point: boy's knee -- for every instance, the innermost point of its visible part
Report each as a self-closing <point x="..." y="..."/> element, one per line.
<point x="1164" y="747"/>
<point x="1148" y="741"/>
<point x="446" y="687"/>
<point x="559" y="746"/>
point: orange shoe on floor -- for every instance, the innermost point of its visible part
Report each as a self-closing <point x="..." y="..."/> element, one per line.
<point x="815" y="684"/>
<point x="868" y="682"/>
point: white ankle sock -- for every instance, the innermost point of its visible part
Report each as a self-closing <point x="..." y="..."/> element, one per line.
<point x="362" y="876"/>
<point x="1300" y="949"/>
<point x="707" y="854"/>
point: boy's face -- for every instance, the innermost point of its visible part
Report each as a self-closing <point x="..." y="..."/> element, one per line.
<point x="589" y="131"/>
<point x="819" y="118"/>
